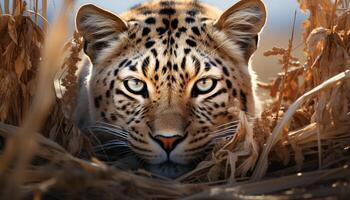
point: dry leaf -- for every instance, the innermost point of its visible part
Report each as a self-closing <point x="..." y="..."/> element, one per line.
<point x="11" y="27"/>
<point x="19" y="64"/>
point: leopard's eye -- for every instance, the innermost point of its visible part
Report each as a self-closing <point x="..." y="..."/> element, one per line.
<point x="203" y="86"/>
<point x="135" y="86"/>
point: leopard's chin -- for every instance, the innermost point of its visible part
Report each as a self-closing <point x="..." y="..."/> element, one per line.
<point x="169" y="169"/>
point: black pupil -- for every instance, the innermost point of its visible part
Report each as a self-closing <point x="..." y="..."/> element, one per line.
<point x="137" y="82"/>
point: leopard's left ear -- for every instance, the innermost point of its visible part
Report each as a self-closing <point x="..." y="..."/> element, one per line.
<point x="242" y="22"/>
<point x="99" y="28"/>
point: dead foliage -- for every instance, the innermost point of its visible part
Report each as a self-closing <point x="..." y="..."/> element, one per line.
<point x="299" y="147"/>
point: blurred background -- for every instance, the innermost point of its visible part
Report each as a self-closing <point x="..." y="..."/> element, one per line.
<point x="276" y="33"/>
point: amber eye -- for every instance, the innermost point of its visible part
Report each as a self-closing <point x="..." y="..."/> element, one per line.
<point x="136" y="86"/>
<point x="203" y="86"/>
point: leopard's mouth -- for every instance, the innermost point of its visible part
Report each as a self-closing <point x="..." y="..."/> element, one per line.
<point x="169" y="169"/>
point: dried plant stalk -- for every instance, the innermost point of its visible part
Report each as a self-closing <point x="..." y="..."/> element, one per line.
<point x="25" y="140"/>
<point x="284" y="122"/>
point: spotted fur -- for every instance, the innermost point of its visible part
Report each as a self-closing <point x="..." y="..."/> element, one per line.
<point x="170" y="46"/>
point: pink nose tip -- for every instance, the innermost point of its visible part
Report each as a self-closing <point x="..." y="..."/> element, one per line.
<point x="168" y="143"/>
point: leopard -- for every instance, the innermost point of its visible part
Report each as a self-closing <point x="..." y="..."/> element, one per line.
<point x="159" y="80"/>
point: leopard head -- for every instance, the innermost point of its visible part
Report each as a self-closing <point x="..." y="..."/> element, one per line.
<point x="164" y="75"/>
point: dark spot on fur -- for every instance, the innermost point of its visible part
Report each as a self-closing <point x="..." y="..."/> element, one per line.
<point x="116" y="72"/>
<point x="166" y="23"/>
<point x="167" y="11"/>
<point x="183" y="63"/>
<point x="150" y="20"/>
<point x="161" y="30"/>
<point x="157" y="65"/>
<point x="147" y="12"/>
<point x="111" y="85"/>
<point x="144" y="66"/>
<point x="195" y="30"/>
<point x="132" y="36"/>
<point x="122" y="63"/>
<point x="154" y="52"/>
<point x="149" y="44"/>
<point x="229" y="84"/>
<point x="174" y="23"/>
<point x="167" y="3"/>
<point x="145" y="31"/>
<point x="190" y="20"/>
<point x="113" y="118"/>
<point x="108" y="93"/>
<point x="172" y="41"/>
<point x="234" y="92"/>
<point x="164" y="70"/>
<point x="191" y="43"/>
<point x="218" y="61"/>
<point x="103" y="114"/>
<point x="192" y="12"/>
<point x="226" y="72"/>
<point x="213" y="63"/>
<point x="169" y="65"/>
<point x="175" y="67"/>
<point x="183" y="29"/>
<point x="207" y="66"/>
<point x="133" y="67"/>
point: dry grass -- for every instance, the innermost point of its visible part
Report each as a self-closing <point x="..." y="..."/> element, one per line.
<point x="298" y="148"/>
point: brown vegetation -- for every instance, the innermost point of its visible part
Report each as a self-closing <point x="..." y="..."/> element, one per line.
<point x="298" y="148"/>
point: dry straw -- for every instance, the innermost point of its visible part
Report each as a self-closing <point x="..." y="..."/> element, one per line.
<point x="298" y="148"/>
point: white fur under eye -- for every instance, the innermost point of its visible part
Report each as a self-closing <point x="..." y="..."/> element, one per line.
<point x="205" y="84"/>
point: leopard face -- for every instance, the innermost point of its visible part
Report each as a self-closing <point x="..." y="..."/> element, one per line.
<point x="165" y="73"/>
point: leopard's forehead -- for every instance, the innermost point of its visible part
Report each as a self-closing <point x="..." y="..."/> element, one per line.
<point x="172" y="9"/>
<point x="164" y="26"/>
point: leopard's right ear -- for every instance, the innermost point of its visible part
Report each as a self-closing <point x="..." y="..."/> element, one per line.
<point x="99" y="28"/>
<point x="242" y="23"/>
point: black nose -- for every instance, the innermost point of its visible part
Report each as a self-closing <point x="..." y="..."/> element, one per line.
<point x="168" y="143"/>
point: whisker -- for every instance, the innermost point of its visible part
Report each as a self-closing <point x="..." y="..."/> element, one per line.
<point x="99" y="142"/>
<point x="226" y="128"/>
<point x="116" y="141"/>
<point x="118" y="134"/>
<point x="98" y="149"/>
<point x="224" y="132"/>
<point x="110" y="129"/>
<point x="221" y="137"/>
<point x="226" y="136"/>
<point x="229" y="123"/>
<point x="108" y="124"/>
<point x="250" y="119"/>
<point x="114" y="144"/>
